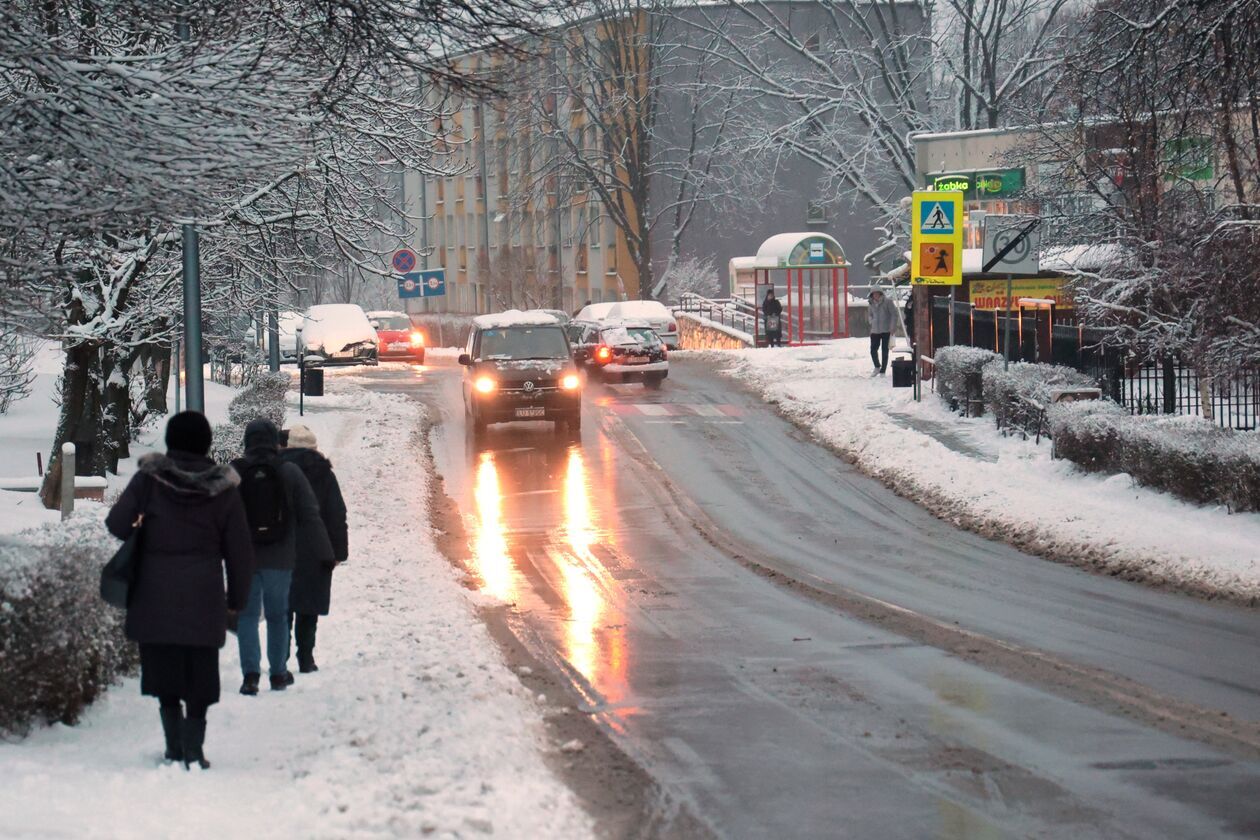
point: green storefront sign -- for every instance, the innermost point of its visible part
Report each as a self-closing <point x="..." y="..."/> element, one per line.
<point x="979" y="184"/>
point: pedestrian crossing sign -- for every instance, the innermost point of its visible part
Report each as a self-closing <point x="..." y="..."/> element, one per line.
<point x="936" y="236"/>
<point x="936" y="217"/>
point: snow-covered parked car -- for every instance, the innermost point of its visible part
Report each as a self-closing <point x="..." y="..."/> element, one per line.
<point x="396" y="337"/>
<point x="340" y="334"/>
<point x="627" y="351"/>
<point x="288" y="321"/>
<point x="653" y="312"/>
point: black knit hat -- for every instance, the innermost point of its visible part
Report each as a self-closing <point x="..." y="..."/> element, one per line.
<point x="261" y="434"/>
<point x="189" y="431"/>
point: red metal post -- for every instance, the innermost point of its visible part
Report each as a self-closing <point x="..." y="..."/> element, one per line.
<point x="800" y="304"/>
<point x="835" y="303"/>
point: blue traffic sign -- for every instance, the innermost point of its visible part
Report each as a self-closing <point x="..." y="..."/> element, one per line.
<point x="936" y="217"/>
<point x="430" y="283"/>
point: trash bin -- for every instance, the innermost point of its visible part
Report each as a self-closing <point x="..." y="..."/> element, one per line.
<point x="313" y="382"/>
<point x="903" y="373"/>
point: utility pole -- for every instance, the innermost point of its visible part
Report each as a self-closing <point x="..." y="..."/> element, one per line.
<point x="196" y="390"/>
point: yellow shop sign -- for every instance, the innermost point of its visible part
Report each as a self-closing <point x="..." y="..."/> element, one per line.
<point x="991" y="294"/>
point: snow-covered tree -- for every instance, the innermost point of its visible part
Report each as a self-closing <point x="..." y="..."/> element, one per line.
<point x="692" y="275"/>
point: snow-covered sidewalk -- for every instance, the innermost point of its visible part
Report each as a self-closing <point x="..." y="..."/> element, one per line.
<point x="965" y="471"/>
<point x="413" y="726"/>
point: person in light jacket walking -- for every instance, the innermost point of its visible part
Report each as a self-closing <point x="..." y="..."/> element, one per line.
<point x="280" y="505"/>
<point x="196" y="537"/>
<point x="311" y="592"/>
<point x="882" y="314"/>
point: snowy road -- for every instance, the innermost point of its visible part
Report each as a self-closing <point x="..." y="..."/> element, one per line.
<point x="792" y="650"/>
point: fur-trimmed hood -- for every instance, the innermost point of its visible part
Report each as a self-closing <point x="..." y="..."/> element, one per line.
<point x="189" y="475"/>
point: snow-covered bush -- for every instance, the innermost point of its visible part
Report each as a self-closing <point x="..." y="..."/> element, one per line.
<point x="694" y="275"/>
<point x="263" y="397"/>
<point x="60" y="644"/>
<point x="957" y="373"/>
<point x="1007" y="392"/>
<point x="1186" y="456"/>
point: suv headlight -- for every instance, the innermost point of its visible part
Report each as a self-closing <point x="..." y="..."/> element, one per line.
<point x="485" y="385"/>
<point x="570" y="382"/>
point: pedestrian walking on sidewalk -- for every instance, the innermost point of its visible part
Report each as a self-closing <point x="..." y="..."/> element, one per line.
<point x="195" y="531"/>
<point x="882" y="315"/>
<point x="279" y="505"/>
<point x="772" y="313"/>
<point x="311" y="592"/>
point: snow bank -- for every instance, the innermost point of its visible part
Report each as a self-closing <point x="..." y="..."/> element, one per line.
<point x="413" y="726"/>
<point x="514" y="318"/>
<point x="1045" y="506"/>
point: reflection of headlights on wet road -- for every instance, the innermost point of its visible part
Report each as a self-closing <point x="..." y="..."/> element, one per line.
<point x="490" y="550"/>
<point x="571" y="382"/>
<point x="485" y="385"/>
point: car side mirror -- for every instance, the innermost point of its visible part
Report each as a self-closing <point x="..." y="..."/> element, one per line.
<point x="465" y="359"/>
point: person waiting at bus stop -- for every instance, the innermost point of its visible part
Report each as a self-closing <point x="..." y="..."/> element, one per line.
<point x="772" y="313"/>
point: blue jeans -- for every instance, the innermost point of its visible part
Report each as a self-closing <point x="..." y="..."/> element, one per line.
<point x="268" y="595"/>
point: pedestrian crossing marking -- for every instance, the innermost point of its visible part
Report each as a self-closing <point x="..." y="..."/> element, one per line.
<point x="677" y="410"/>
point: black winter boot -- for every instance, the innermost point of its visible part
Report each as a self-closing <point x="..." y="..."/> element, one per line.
<point x="172" y="723"/>
<point x="250" y="686"/>
<point x="281" y="682"/>
<point x="306" y="663"/>
<point x="194" y="732"/>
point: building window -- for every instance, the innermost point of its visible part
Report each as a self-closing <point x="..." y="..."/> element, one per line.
<point x="816" y="213"/>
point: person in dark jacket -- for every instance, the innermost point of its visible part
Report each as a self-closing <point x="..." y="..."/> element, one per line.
<point x="311" y="592"/>
<point x="195" y="530"/>
<point x="288" y="508"/>
<point x="772" y="312"/>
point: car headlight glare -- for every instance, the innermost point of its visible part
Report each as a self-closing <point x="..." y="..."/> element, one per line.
<point x="570" y="382"/>
<point x="485" y="385"/>
<point x="417" y="338"/>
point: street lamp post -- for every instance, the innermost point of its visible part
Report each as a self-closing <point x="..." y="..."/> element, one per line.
<point x="195" y="391"/>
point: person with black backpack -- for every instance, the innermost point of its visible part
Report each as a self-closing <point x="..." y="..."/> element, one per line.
<point x="195" y="539"/>
<point x="278" y="504"/>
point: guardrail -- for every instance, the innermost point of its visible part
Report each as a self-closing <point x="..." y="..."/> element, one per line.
<point x="729" y="312"/>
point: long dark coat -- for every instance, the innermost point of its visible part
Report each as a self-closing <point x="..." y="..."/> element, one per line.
<point x="195" y="530"/>
<point x="311" y="592"/>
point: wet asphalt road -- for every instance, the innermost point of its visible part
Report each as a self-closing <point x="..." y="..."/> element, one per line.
<point x="952" y="687"/>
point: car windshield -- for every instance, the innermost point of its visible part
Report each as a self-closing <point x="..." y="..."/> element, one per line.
<point x="391" y="322"/>
<point x="541" y="342"/>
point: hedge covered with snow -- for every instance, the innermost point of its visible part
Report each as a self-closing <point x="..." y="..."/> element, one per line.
<point x="1188" y="457"/>
<point x="1009" y="392"/>
<point x="957" y="373"/>
<point x="60" y="644"/>
<point x="264" y="397"/>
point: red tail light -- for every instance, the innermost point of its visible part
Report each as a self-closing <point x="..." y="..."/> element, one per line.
<point x="673" y="327"/>
<point x="603" y="354"/>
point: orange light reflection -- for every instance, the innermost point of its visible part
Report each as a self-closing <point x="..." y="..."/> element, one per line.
<point x="490" y="551"/>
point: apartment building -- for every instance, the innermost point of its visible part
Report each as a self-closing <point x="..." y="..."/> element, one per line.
<point x="512" y="231"/>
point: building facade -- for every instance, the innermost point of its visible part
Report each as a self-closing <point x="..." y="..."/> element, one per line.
<point x="512" y="231"/>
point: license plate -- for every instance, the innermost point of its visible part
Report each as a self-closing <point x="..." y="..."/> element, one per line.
<point x="399" y="345"/>
<point x="636" y="360"/>
<point x="531" y="411"/>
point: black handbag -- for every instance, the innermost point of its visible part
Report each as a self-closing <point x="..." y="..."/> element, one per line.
<point x="118" y="578"/>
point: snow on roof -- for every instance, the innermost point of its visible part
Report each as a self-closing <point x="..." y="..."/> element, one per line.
<point x="514" y="318"/>
<point x="743" y="262"/>
<point x="336" y="326"/>
<point x="639" y="309"/>
<point x="793" y="249"/>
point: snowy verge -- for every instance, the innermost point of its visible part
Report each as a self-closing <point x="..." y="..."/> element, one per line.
<point x="965" y="472"/>
<point x="412" y="727"/>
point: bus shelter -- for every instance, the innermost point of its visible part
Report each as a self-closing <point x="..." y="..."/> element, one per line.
<point x="809" y="274"/>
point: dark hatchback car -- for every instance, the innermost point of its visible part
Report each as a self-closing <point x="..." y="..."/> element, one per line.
<point x="519" y="367"/>
<point x="625" y="351"/>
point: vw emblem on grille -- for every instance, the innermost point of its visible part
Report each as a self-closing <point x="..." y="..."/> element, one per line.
<point x="528" y="386"/>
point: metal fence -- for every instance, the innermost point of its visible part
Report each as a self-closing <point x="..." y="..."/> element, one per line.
<point x="1167" y="387"/>
<point x="735" y="313"/>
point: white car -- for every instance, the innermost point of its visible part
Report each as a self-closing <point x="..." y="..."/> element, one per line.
<point x="652" y="312"/>
<point x="340" y="334"/>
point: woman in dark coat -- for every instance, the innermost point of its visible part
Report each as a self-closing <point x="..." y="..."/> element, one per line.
<point x="311" y="592"/>
<point x="195" y="529"/>
<point x="771" y="312"/>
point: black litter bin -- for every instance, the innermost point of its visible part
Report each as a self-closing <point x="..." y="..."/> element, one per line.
<point x="313" y="382"/>
<point x="903" y="373"/>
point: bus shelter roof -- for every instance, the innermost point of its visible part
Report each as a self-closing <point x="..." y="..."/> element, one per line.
<point x="807" y="249"/>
